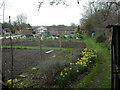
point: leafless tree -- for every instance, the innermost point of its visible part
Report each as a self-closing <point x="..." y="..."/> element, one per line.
<point x="21" y="18"/>
<point x="54" y="2"/>
<point x="98" y="14"/>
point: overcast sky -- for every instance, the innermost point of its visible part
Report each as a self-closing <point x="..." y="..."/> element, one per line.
<point x="48" y="15"/>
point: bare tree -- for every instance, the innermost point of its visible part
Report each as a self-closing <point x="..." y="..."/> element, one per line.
<point x="21" y="21"/>
<point x="98" y="14"/>
<point x="21" y="18"/>
<point x="54" y="2"/>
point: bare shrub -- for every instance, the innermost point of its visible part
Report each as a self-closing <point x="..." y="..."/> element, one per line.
<point x="75" y="55"/>
<point x="49" y="70"/>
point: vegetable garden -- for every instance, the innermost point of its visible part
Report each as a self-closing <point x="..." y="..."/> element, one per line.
<point x="74" y="65"/>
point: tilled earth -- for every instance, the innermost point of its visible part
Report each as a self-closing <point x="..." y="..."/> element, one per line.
<point x="24" y="58"/>
<point x="51" y="44"/>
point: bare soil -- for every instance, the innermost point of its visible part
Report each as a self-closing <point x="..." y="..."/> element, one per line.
<point x="22" y="59"/>
<point x="25" y="58"/>
<point x="55" y="44"/>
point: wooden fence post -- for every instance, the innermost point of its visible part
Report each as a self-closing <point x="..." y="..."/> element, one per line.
<point x="115" y="54"/>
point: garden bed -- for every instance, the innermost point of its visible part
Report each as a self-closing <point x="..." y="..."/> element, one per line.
<point x="52" y="43"/>
<point x="23" y="58"/>
<point x="46" y="73"/>
<point x="26" y="59"/>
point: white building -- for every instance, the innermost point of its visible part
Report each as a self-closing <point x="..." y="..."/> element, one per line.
<point x="41" y="30"/>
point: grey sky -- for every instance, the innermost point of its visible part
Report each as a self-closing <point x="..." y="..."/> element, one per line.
<point x="48" y="15"/>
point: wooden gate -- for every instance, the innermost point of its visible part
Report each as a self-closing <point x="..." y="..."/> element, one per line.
<point x="115" y="53"/>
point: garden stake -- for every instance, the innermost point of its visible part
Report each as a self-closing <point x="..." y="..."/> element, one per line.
<point x="11" y="54"/>
<point x="12" y="60"/>
<point x="40" y="48"/>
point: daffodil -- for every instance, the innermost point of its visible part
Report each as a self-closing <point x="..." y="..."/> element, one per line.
<point x="77" y="71"/>
<point x="95" y="51"/>
<point x="9" y="81"/>
<point x="65" y="73"/>
<point x="65" y="69"/>
<point x="80" y="63"/>
<point x="15" y="80"/>
<point x="84" y="63"/>
<point x="85" y="49"/>
<point x="14" y="85"/>
<point x="71" y="63"/>
<point x="80" y="60"/>
<point x="70" y="68"/>
<point x="21" y="84"/>
<point x="86" y="55"/>
<point x="86" y="60"/>
<point x="61" y="73"/>
<point x="93" y="56"/>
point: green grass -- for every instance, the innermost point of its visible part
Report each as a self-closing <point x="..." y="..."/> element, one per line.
<point x="37" y="48"/>
<point x="100" y="76"/>
<point x="72" y="40"/>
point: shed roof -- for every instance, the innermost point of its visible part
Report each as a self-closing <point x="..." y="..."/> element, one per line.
<point x="109" y="26"/>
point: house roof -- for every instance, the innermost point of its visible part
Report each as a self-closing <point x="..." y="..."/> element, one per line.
<point x="25" y="32"/>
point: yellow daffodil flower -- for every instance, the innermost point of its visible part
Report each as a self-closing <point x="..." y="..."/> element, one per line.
<point x="71" y="63"/>
<point x="85" y="49"/>
<point x="84" y="63"/>
<point x="61" y="73"/>
<point x="65" y="69"/>
<point x="86" y="60"/>
<point x="65" y="73"/>
<point x="21" y="84"/>
<point x="15" y="80"/>
<point x="77" y="71"/>
<point x="70" y="68"/>
<point x="9" y="81"/>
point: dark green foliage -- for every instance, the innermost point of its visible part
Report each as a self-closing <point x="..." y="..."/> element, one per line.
<point x="106" y="45"/>
<point x="80" y="36"/>
<point x="13" y="31"/>
<point x="101" y="38"/>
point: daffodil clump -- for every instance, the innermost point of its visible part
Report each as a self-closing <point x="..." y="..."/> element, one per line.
<point x="17" y="83"/>
<point x="12" y="83"/>
<point x="88" y="56"/>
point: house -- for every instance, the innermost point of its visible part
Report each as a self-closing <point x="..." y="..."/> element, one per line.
<point x="26" y="33"/>
<point x="6" y="31"/>
<point x="60" y="32"/>
<point x="61" y="29"/>
<point x="40" y="30"/>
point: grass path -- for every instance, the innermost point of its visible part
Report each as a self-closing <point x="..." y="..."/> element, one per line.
<point x="100" y="77"/>
<point x="36" y="48"/>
